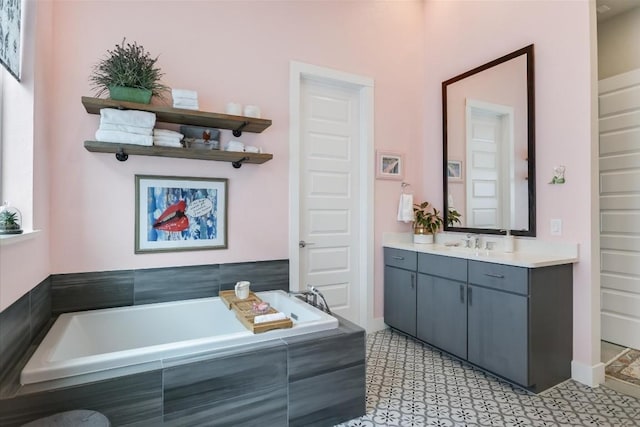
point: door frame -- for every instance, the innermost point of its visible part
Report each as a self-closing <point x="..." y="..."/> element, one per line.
<point x="365" y="85"/>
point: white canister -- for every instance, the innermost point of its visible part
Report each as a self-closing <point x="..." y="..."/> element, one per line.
<point x="252" y="111"/>
<point x="233" y="108"/>
<point x="242" y="289"/>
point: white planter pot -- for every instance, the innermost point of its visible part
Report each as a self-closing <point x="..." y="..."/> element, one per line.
<point x="423" y="238"/>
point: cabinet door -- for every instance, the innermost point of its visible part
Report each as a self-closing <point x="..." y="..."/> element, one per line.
<point x="498" y="333"/>
<point x="442" y="314"/>
<point x="400" y="299"/>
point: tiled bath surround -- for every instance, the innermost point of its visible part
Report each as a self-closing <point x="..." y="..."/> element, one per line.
<point x="290" y="381"/>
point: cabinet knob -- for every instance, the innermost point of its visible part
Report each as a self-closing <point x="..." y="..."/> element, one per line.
<point x="413" y="280"/>
<point x="469" y="294"/>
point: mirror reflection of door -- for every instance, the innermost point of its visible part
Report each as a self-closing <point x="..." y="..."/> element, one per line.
<point x="489" y="185"/>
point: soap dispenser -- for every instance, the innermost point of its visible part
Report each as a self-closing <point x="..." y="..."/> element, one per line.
<point x="509" y="242"/>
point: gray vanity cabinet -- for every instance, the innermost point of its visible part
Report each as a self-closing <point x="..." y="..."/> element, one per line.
<point x="520" y="322"/>
<point x="513" y="321"/>
<point x="400" y="279"/>
<point x="442" y="303"/>
<point x="498" y="332"/>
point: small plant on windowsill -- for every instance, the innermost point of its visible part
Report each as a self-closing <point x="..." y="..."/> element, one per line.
<point x="9" y="220"/>
<point x="427" y="221"/>
<point x="128" y="73"/>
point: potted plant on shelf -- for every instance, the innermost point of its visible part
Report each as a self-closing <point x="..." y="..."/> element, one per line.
<point x="426" y="222"/>
<point x="128" y="73"/>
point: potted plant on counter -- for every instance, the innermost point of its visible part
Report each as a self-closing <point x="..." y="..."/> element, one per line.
<point x="128" y="73"/>
<point x="426" y="222"/>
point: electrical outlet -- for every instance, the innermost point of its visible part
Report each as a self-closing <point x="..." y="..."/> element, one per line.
<point x="556" y="227"/>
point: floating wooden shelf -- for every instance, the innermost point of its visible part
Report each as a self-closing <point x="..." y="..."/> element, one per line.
<point x="236" y="158"/>
<point x="237" y="124"/>
<point x="181" y="116"/>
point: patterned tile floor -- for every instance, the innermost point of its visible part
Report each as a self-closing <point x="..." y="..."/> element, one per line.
<point x="410" y="384"/>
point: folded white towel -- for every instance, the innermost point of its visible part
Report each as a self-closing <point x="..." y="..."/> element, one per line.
<point x="142" y="119"/>
<point x="186" y="106"/>
<point x="269" y="318"/>
<point x="169" y="139"/>
<point x="164" y="143"/>
<point x="123" y="137"/>
<point x="167" y="132"/>
<point x="184" y="93"/>
<point x="234" y="146"/>
<point x="126" y="128"/>
<point x="251" y="149"/>
<point x="405" y="208"/>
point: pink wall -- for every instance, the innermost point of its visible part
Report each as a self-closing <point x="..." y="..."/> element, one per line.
<point x="463" y="35"/>
<point x="26" y="263"/>
<point x="241" y="51"/>
<point x="227" y="51"/>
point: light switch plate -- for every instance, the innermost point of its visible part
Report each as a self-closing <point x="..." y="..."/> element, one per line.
<point x="556" y="227"/>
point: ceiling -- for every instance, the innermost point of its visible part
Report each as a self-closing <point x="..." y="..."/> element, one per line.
<point x="609" y="8"/>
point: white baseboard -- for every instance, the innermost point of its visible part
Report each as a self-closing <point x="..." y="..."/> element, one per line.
<point x="376" y="324"/>
<point x="591" y="376"/>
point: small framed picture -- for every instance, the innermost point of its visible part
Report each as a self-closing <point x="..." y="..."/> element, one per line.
<point x="389" y="165"/>
<point x="454" y="170"/>
<point x="180" y="214"/>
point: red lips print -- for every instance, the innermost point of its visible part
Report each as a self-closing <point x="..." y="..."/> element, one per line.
<point x="173" y="218"/>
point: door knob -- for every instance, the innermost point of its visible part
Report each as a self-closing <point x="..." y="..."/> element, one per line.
<point x="303" y="244"/>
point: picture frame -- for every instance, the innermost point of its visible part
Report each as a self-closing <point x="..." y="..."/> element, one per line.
<point x="454" y="171"/>
<point x="180" y="213"/>
<point x="389" y="165"/>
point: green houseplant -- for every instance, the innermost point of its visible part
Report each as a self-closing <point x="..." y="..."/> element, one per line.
<point x="128" y="73"/>
<point x="427" y="220"/>
<point x="453" y="217"/>
<point x="9" y="221"/>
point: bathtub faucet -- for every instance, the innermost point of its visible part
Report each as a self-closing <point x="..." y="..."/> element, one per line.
<point x="316" y="293"/>
<point x="303" y="295"/>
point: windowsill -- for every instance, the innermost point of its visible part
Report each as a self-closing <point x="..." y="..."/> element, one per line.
<point x="8" y="239"/>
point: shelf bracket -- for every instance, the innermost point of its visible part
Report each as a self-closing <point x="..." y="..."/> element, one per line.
<point x="238" y="163"/>
<point x="238" y="132"/>
<point x="121" y="155"/>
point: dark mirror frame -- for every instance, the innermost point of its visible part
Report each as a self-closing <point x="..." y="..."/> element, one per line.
<point x="531" y="131"/>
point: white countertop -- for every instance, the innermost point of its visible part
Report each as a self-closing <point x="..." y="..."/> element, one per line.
<point x="529" y="253"/>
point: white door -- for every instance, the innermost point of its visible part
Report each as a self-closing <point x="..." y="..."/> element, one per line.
<point x="329" y="193"/>
<point x="487" y="148"/>
<point x="620" y="208"/>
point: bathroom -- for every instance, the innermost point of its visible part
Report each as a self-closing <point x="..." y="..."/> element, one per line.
<point x="82" y="203"/>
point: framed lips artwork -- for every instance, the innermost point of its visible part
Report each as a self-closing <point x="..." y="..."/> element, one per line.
<point x="180" y="213"/>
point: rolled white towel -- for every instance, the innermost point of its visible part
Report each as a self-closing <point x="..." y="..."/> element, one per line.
<point x="164" y="143"/>
<point x="269" y="318"/>
<point x="184" y="93"/>
<point x="142" y="119"/>
<point x="123" y="137"/>
<point x="252" y="149"/>
<point x="234" y="146"/>
<point x="167" y="132"/>
<point x="126" y="128"/>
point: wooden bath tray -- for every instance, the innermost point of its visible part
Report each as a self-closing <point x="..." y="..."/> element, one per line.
<point x="244" y="312"/>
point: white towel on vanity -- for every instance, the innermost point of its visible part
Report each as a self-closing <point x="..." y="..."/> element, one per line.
<point x="405" y="208"/>
<point x="168" y="133"/>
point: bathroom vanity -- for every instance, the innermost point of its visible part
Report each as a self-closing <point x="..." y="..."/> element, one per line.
<point x="509" y="314"/>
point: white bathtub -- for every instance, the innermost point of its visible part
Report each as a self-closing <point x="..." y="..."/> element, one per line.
<point x="98" y="340"/>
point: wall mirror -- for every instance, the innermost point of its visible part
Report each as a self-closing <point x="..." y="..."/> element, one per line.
<point x="489" y="147"/>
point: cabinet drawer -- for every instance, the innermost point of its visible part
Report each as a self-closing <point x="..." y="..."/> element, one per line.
<point x="443" y="266"/>
<point x="498" y="276"/>
<point x="400" y="258"/>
